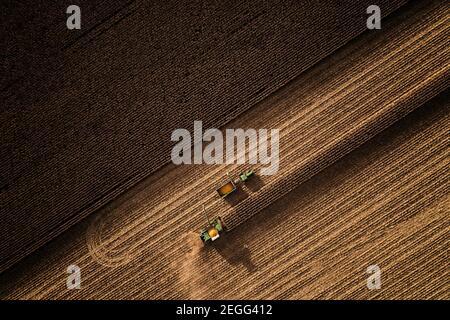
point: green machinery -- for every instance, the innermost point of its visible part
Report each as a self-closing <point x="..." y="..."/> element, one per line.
<point x="244" y="176"/>
<point x="213" y="230"/>
<point x="230" y="186"/>
<point x="215" y="226"/>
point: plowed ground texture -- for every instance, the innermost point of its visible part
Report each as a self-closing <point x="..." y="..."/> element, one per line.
<point x="363" y="180"/>
<point x="88" y="113"/>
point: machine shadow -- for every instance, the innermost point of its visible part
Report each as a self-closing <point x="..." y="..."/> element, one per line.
<point x="254" y="183"/>
<point x="234" y="251"/>
<point x="234" y="198"/>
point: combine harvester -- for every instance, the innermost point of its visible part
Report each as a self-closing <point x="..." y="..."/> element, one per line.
<point x="213" y="230"/>
<point x="216" y="226"/>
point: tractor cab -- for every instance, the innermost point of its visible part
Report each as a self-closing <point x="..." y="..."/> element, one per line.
<point x="244" y="176"/>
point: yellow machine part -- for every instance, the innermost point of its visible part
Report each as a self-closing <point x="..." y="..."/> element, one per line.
<point x="225" y="189"/>
<point x="213" y="232"/>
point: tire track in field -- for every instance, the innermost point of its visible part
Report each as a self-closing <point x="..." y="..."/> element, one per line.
<point x="168" y="220"/>
<point x="289" y="257"/>
<point x="214" y="173"/>
<point x="68" y="200"/>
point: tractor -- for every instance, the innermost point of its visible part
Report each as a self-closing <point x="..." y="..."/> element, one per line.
<point x="244" y="176"/>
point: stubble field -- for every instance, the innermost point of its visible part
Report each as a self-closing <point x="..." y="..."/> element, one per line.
<point x="363" y="180"/>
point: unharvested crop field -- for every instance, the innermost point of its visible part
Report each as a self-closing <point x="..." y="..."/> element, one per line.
<point x="79" y="107"/>
<point x="363" y="180"/>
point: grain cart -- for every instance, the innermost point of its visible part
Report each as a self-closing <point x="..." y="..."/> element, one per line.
<point x="231" y="186"/>
<point x="228" y="188"/>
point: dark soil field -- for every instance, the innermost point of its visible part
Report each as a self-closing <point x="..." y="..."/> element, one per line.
<point x="82" y="106"/>
<point x="364" y="179"/>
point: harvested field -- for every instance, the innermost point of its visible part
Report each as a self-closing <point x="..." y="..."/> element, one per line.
<point x="77" y="108"/>
<point x="363" y="180"/>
